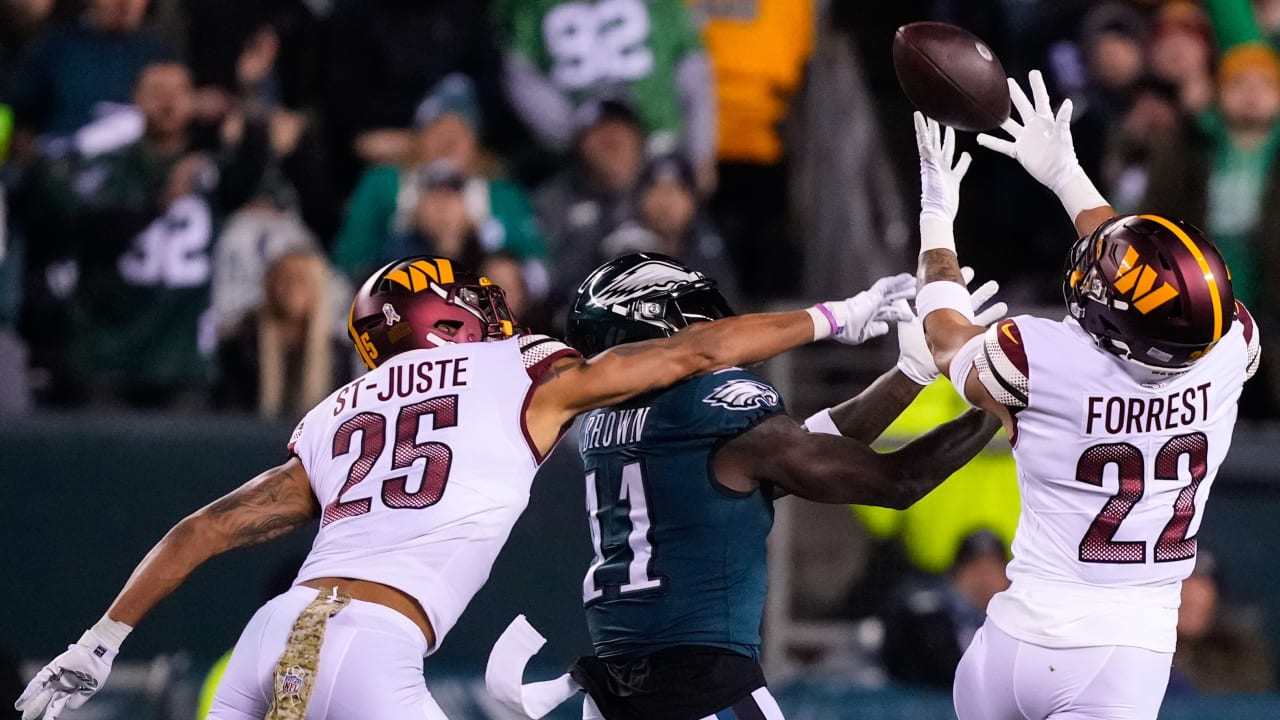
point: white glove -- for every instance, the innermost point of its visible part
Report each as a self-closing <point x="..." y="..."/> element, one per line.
<point x="70" y="679"/>
<point x="939" y="183"/>
<point x="1042" y="145"/>
<point x="914" y="359"/>
<point x="866" y="315"/>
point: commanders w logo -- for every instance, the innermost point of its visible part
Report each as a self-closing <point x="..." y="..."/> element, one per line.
<point x="1138" y="280"/>
<point x="419" y="273"/>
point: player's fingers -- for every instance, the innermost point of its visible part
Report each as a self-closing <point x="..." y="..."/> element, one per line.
<point x="991" y="314"/>
<point x="1020" y="102"/>
<point x="922" y="131"/>
<point x="985" y="292"/>
<point x="897" y="311"/>
<point x="1004" y="147"/>
<point x="894" y="287"/>
<point x="875" y="329"/>
<point x="35" y="705"/>
<point x="1040" y="93"/>
<point x="55" y="707"/>
<point x="948" y="144"/>
<point x="1064" y="113"/>
<point x="962" y="167"/>
<point x="38" y="684"/>
<point x="967" y="273"/>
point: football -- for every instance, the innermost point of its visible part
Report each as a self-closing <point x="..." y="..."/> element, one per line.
<point x="949" y="74"/>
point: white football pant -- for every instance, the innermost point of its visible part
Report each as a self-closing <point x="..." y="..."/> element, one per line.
<point x="1002" y="678"/>
<point x="370" y="664"/>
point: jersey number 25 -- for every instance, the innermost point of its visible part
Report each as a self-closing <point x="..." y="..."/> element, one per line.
<point x="407" y="450"/>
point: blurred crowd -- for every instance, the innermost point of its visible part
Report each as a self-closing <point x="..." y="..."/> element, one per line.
<point x="192" y="188"/>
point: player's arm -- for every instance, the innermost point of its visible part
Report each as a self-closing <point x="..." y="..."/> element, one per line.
<point x="865" y="416"/>
<point x="779" y="452"/>
<point x="270" y="505"/>
<point x="575" y="385"/>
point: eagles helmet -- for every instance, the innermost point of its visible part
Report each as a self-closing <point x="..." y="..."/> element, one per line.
<point x="421" y="302"/>
<point x="1153" y="291"/>
<point x="640" y="296"/>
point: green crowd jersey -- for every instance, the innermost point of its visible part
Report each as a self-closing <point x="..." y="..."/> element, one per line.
<point x="679" y="558"/>
<point x="139" y="305"/>
<point x="585" y="46"/>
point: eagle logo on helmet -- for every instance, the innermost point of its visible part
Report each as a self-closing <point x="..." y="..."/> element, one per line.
<point x="647" y="278"/>
<point x="743" y="395"/>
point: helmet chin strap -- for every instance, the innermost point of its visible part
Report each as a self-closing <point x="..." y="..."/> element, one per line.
<point x="437" y="340"/>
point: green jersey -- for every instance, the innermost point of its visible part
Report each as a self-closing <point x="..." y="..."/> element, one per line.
<point x="144" y="275"/>
<point x="679" y="558"/>
<point x="586" y="45"/>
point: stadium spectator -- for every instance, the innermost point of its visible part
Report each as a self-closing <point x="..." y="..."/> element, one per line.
<point x="440" y="223"/>
<point x="1220" y="174"/>
<point x="559" y="54"/>
<point x="80" y="71"/>
<point x="668" y="219"/>
<point x="218" y="33"/>
<point x="759" y="52"/>
<point x="284" y="358"/>
<point x="385" y="201"/>
<point x="591" y="197"/>
<point x="384" y="55"/>
<point x="928" y="631"/>
<point x="1113" y="53"/>
<point x="1181" y="53"/>
<point x="297" y="178"/>
<point x="1150" y="122"/>
<point x="138" y="224"/>
<point x="1218" y="651"/>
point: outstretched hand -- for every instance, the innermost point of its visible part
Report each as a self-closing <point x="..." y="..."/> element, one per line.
<point x="940" y="174"/>
<point x="1042" y="142"/>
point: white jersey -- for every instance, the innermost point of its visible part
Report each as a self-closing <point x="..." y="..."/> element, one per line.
<point x="1114" y="467"/>
<point x="422" y="467"/>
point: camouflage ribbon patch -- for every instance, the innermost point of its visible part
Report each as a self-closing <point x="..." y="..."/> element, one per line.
<point x="295" y="675"/>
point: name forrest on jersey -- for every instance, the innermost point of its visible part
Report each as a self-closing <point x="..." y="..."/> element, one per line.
<point x="614" y="427"/>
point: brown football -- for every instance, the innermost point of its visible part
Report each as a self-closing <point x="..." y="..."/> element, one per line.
<point x="949" y="74"/>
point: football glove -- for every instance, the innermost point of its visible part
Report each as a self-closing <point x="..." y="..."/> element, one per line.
<point x="914" y="359"/>
<point x="867" y="315"/>
<point x="1042" y="145"/>
<point x="940" y="178"/>
<point x="71" y="678"/>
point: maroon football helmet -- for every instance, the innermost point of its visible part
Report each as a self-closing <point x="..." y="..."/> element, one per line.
<point x="421" y="302"/>
<point x="1151" y="290"/>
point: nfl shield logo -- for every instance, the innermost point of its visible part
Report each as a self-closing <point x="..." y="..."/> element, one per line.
<point x="291" y="684"/>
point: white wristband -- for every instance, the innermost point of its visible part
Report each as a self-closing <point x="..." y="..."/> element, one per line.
<point x="110" y="632"/>
<point x="944" y="295"/>
<point x="824" y="322"/>
<point x="821" y="423"/>
<point x="936" y="233"/>
<point x="1078" y="194"/>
